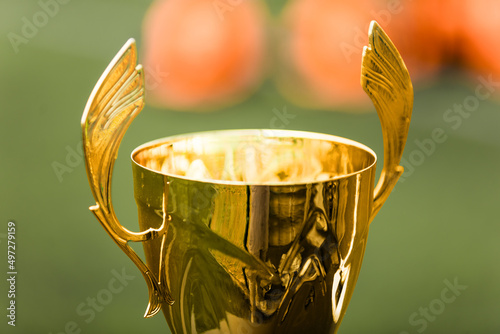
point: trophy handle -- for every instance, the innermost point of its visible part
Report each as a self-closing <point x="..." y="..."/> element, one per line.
<point x="115" y="101"/>
<point x="385" y="78"/>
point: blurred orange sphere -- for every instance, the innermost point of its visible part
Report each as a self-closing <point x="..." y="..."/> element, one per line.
<point x="321" y="52"/>
<point x="203" y="54"/>
<point x="324" y="41"/>
<point x="207" y="54"/>
<point x="480" y="44"/>
<point x="426" y="34"/>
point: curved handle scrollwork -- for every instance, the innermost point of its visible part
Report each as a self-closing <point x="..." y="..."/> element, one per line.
<point x="116" y="100"/>
<point x="385" y="78"/>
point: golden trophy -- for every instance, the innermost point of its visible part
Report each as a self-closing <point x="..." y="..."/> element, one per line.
<point x="248" y="231"/>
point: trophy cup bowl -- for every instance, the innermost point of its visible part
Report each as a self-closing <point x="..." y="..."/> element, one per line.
<point x="248" y="231"/>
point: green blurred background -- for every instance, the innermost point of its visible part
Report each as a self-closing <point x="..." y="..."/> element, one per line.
<point x="440" y="224"/>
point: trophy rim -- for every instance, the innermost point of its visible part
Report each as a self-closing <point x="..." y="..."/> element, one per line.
<point x="277" y="133"/>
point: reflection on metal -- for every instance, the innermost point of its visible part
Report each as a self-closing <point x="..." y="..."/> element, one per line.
<point x="386" y="80"/>
<point x="250" y="231"/>
<point x="115" y="101"/>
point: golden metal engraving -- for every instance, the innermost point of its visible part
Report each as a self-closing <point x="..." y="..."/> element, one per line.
<point x="386" y="80"/>
<point x="250" y="231"/>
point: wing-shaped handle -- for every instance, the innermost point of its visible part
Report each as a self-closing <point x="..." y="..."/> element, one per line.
<point x="386" y="80"/>
<point x="116" y="100"/>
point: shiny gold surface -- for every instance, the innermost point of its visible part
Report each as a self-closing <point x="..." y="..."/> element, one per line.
<point x="257" y="257"/>
<point x="386" y="80"/>
<point x="249" y="231"/>
<point x="255" y="157"/>
<point x="115" y="101"/>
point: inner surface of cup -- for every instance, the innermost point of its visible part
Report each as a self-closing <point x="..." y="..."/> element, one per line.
<point x="255" y="156"/>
